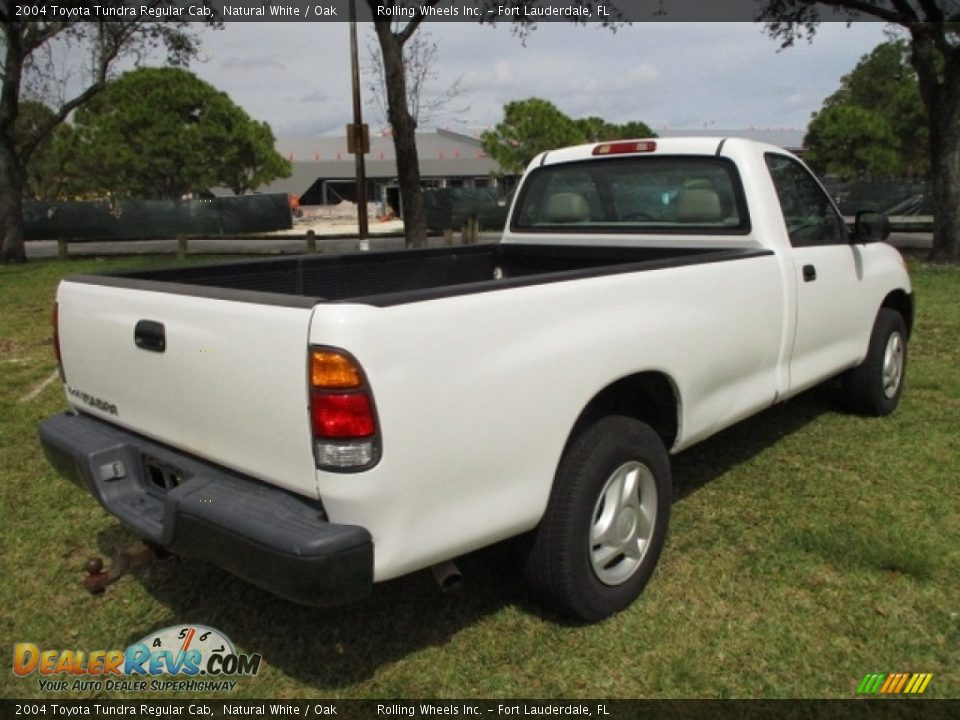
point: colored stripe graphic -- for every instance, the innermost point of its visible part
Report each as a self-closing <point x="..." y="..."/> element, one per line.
<point x="894" y="683"/>
<point x="926" y="681"/>
<point x="891" y="680"/>
<point x="870" y="683"/>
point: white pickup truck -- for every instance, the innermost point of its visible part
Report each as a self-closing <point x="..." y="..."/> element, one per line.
<point x="317" y="424"/>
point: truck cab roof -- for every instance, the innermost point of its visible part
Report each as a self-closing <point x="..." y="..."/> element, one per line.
<point x="693" y="145"/>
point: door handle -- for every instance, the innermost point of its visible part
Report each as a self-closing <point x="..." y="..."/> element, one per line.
<point x="150" y="335"/>
<point x="809" y="273"/>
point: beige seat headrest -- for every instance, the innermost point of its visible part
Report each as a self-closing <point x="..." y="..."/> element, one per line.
<point x="699" y="205"/>
<point x="566" y="207"/>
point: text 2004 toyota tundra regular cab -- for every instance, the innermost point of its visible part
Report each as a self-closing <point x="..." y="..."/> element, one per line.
<point x="317" y="424"/>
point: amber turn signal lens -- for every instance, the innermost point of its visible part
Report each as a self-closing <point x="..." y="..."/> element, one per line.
<point x="333" y="370"/>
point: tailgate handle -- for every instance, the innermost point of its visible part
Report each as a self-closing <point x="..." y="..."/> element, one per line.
<point x="809" y="273"/>
<point x="150" y="335"/>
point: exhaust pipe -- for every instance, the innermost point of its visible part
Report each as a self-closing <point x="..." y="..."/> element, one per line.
<point x="448" y="577"/>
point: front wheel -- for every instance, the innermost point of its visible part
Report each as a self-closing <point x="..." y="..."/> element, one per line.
<point x="605" y="524"/>
<point x="874" y="386"/>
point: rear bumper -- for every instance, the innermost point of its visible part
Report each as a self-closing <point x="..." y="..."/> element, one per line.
<point x="274" y="539"/>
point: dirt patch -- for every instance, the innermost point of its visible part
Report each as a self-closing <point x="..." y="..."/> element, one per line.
<point x="8" y="347"/>
<point x="340" y="219"/>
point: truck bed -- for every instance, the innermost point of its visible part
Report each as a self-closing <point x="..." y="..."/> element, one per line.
<point x="396" y="277"/>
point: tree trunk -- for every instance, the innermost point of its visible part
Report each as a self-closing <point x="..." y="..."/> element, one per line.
<point x="940" y="91"/>
<point x="11" y="205"/>
<point x="945" y="176"/>
<point x="404" y="127"/>
<point x="11" y="172"/>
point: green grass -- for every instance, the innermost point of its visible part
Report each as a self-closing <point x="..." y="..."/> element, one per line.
<point x="808" y="547"/>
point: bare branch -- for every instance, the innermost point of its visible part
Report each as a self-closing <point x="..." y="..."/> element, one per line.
<point x="37" y="34"/>
<point x="409" y="29"/>
<point x="425" y="102"/>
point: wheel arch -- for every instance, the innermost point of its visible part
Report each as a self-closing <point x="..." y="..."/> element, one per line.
<point x="902" y="302"/>
<point x="651" y="397"/>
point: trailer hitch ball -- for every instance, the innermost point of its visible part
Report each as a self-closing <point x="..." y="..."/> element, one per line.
<point x="97" y="579"/>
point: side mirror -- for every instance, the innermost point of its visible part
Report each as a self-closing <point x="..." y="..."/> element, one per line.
<point x="871" y="226"/>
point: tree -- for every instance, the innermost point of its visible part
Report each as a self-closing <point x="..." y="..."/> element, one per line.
<point x="933" y="27"/>
<point x="41" y="179"/>
<point x="850" y="141"/>
<point x="249" y="159"/>
<point x="597" y="129"/>
<point x="884" y="84"/>
<point x="528" y="128"/>
<point x="427" y="102"/>
<point x="164" y="132"/>
<point x="403" y="122"/>
<point x="631" y="130"/>
<point x="29" y="68"/>
<point x="533" y="125"/>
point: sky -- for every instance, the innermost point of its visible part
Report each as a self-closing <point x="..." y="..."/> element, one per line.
<point x="296" y="76"/>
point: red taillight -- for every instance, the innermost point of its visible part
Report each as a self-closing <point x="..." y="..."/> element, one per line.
<point x="622" y="147"/>
<point x="344" y="416"/>
<point x="56" y="339"/>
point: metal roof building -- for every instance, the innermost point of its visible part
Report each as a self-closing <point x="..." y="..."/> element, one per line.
<point x="324" y="172"/>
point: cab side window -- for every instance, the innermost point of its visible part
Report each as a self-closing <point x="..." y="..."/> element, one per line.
<point x="810" y="217"/>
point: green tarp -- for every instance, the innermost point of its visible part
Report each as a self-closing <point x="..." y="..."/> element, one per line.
<point x="448" y="208"/>
<point x="139" y="219"/>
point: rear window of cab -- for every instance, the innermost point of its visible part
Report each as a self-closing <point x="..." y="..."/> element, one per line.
<point x="645" y="194"/>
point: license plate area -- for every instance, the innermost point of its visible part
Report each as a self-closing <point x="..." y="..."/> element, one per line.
<point x="160" y="476"/>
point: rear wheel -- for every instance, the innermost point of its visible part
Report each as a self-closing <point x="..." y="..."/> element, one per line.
<point x="605" y="524"/>
<point x="874" y="386"/>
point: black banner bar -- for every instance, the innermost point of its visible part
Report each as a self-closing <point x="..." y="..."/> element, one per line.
<point x="892" y="709"/>
<point x="486" y="11"/>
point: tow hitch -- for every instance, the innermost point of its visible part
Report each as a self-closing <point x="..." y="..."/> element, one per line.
<point x="123" y="561"/>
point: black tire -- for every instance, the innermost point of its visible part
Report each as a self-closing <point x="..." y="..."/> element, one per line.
<point x="567" y="565"/>
<point x="875" y="385"/>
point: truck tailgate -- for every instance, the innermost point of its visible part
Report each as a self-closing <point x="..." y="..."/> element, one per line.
<point x="227" y="383"/>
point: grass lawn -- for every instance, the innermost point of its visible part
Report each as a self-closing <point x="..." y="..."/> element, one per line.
<point x="808" y="547"/>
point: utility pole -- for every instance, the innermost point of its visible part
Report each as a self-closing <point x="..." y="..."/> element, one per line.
<point x="358" y="137"/>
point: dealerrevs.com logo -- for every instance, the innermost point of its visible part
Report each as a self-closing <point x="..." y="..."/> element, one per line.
<point x="188" y="658"/>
